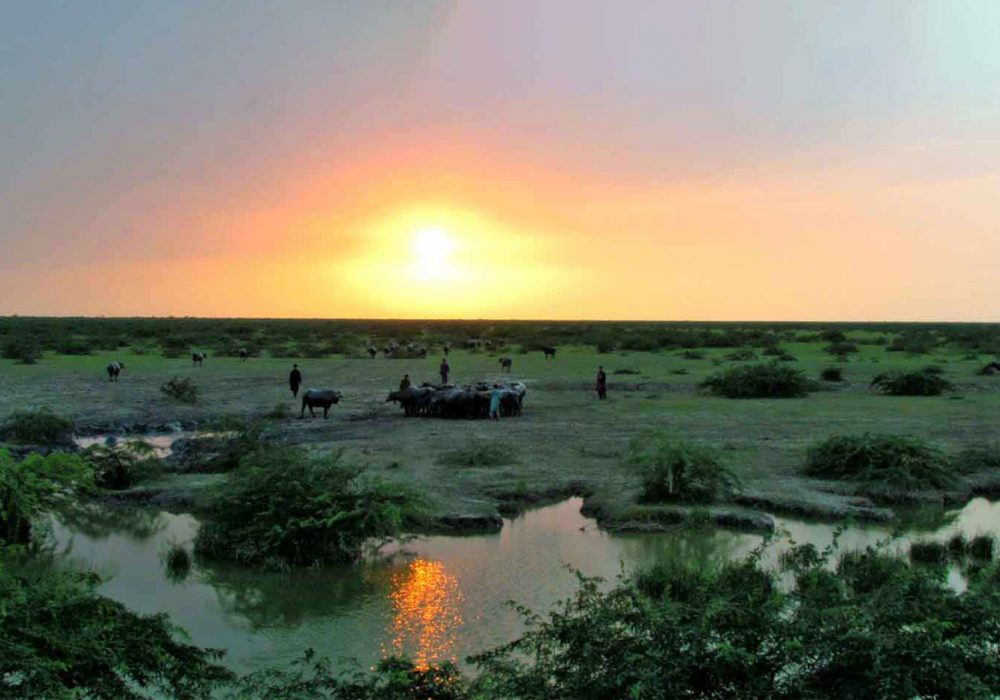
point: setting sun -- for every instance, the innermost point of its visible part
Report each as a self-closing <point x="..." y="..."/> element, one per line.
<point x="432" y="248"/>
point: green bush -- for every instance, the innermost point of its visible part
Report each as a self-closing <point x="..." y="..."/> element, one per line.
<point x="923" y="382"/>
<point x="25" y="349"/>
<point x="31" y="487"/>
<point x="41" y="427"/>
<point x="693" y="355"/>
<point x="284" y="507"/>
<point x="181" y="390"/>
<point x="60" y="639"/>
<point x="832" y="374"/>
<point x="480" y="454"/>
<point x="769" y="380"/>
<point x="877" y="460"/>
<point x="77" y="347"/>
<point x="841" y="349"/>
<point x="122" y="465"/>
<point x="676" y="470"/>
<point x="977" y="458"/>
<point x="873" y="626"/>
<point x="741" y="355"/>
<point x="177" y="563"/>
<point x="626" y="370"/>
<point x="174" y="347"/>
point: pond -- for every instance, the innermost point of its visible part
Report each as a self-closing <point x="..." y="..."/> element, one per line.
<point x="437" y="598"/>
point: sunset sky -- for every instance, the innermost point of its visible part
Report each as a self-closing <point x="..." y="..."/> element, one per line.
<point x="519" y="159"/>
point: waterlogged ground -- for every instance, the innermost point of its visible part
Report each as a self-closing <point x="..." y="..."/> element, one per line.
<point x="439" y="598"/>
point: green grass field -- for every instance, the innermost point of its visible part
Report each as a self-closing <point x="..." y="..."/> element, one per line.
<point x="566" y="441"/>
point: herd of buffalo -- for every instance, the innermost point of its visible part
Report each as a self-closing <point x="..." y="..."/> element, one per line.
<point x="447" y="401"/>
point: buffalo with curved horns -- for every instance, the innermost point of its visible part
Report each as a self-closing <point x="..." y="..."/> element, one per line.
<point x="197" y="358"/>
<point x="319" y="398"/>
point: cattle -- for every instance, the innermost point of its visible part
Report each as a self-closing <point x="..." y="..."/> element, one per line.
<point x="372" y="352"/>
<point x="446" y="348"/>
<point x="506" y="364"/>
<point x="469" y="402"/>
<point x="991" y="368"/>
<point x="244" y="354"/>
<point x="197" y="358"/>
<point x="319" y="398"/>
<point x="415" y="401"/>
<point x="114" y="369"/>
<point x="549" y="352"/>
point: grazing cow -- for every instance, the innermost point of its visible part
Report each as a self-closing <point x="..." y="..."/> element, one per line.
<point x="549" y="352"/>
<point x="506" y="364"/>
<point x="319" y="398"/>
<point x="991" y="368"/>
<point x="415" y="401"/>
<point x="244" y="354"/>
<point x="197" y="358"/>
<point x="447" y="349"/>
<point x="372" y="352"/>
<point x="114" y="369"/>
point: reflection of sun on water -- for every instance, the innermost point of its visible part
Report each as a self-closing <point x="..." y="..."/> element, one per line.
<point x="426" y="599"/>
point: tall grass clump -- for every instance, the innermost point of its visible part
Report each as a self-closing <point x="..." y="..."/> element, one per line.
<point x="41" y="427"/>
<point x="479" y="453"/>
<point x="926" y="381"/>
<point x="832" y="374"/>
<point x="181" y="390"/>
<point x="284" y="507"/>
<point x="177" y="562"/>
<point x="122" y="465"/>
<point x="676" y="470"/>
<point x="760" y="381"/>
<point x="876" y="460"/>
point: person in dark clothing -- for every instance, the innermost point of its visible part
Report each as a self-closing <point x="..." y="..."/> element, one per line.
<point x="445" y="369"/>
<point x="295" y="380"/>
<point x="602" y="384"/>
<point x="404" y="384"/>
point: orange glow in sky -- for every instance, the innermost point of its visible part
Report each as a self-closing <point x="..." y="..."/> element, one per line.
<point x="675" y="160"/>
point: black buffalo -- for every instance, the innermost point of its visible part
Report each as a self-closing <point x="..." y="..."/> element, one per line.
<point x="114" y="369"/>
<point x="549" y="352"/>
<point x="197" y="358"/>
<point x="319" y="398"/>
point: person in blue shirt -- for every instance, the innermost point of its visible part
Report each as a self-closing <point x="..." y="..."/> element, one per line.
<point x="495" y="402"/>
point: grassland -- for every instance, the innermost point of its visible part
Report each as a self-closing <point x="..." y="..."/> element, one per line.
<point x="566" y="441"/>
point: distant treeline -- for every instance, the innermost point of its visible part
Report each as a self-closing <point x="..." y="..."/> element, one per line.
<point x="26" y="337"/>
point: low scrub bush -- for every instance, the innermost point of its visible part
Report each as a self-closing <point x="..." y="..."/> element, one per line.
<point x="25" y="349"/>
<point x="693" y="355"/>
<point x="626" y="370"/>
<point x="770" y="380"/>
<point x="877" y="460"/>
<point x="741" y="355"/>
<point x="60" y="639"/>
<point x="832" y="374"/>
<point x="174" y="347"/>
<point x="181" y="390"/>
<point x="978" y="458"/>
<point x="480" y="454"/>
<point x="177" y="562"/>
<point x="77" y="347"/>
<point x="279" y="411"/>
<point x="123" y="465"/>
<point x="923" y="382"/>
<point x="284" y="508"/>
<point x="35" y="485"/>
<point x="841" y="349"/>
<point x="676" y="470"/>
<point x="41" y="427"/>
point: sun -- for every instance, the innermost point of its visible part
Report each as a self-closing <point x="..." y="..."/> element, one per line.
<point x="432" y="248"/>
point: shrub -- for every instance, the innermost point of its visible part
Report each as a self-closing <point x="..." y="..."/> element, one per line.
<point x="770" y="380"/>
<point x="41" y="427"/>
<point x="832" y="374"/>
<point x="284" y="507"/>
<point x="122" y="466"/>
<point x="676" y="470"/>
<point x="868" y="627"/>
<point x="741" y="355"/>
<point x="923" y="382"/>
<point x="177" y="562"/>
<point x="279" y="411"/>
<point x="978" y="458"/>
<point x="25" y="349"/>
<point x="74" y="347"/>
<point x="841" y="349"/>
<point x="927" y="552"/>
<point x="174" y="347"/>
<point x="221" y="449"/>
<point x="878" y="460"/>
<point x="31" y="487"/>
<point x="982" y="546"/>
<point x="693" y="355"/>
<point x="480" y="454"/>
<point x="60" y="639"/>
<point x="626" y="370"/>
<point x="181" y="390"/>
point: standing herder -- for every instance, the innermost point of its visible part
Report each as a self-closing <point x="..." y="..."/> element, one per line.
<point x="602" y="384"/>
<point x="404" y="383"/>
<point x="295" y="380"/>
<point x="495" y="402"/>
<point x="445" y="369"/>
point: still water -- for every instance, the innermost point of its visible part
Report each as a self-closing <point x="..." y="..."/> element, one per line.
<point x="437" y="598"/>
